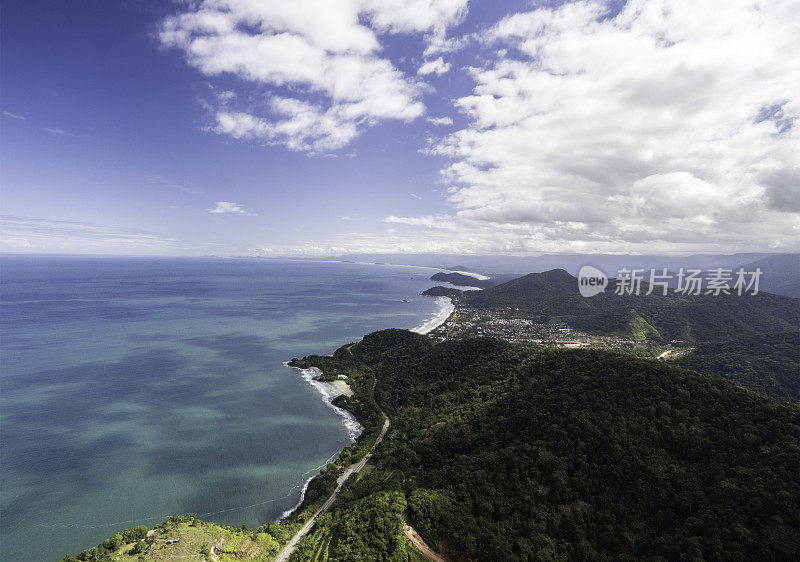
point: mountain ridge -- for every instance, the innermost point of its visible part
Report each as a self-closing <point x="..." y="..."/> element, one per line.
<point x="554" y="295"/>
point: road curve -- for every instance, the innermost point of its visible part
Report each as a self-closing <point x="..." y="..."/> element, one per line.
<point x="287" y="550"/>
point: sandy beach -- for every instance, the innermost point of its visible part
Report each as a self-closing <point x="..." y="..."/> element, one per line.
<point x="329" y="391"/>
<point x="337" y="388"/>
<point x="446" y="308"/>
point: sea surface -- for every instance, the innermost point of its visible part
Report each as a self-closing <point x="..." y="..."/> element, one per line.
<point x="136" y="388"/>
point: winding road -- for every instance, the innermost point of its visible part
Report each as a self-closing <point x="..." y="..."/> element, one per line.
<point x="355" y="468"/>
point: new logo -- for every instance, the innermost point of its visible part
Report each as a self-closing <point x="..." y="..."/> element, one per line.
<point x="591" y="281"/>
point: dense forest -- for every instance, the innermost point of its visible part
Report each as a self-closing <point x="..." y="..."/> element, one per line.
<point x="553" y="295"/>
<point x="766" y="363"/>
<point x="500" y="452"/>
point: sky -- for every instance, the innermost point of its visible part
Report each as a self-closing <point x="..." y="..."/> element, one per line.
<point x="322" y="127"/>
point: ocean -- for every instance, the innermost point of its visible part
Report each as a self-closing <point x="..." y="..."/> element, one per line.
<point x="136" y="388"/>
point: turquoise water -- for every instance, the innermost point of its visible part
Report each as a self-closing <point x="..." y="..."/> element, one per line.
<point x="133" y="389"/>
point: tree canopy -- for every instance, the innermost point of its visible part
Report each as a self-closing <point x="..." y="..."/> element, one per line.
<point x="509" y="453"/>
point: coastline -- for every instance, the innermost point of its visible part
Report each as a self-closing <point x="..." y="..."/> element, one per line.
<point x="446" y="308"/>
<point x="425" y="319"/>
<point x="329" y="391"/>
<point x="300" y="501"/>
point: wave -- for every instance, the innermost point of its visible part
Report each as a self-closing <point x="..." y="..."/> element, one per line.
<point x="354" y="428"/>
<point x="446" y="308"/>
<point x="314" y="473"/>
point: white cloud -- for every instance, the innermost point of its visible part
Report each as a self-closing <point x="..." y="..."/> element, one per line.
<point x="14" y="116"/>
<point x="300" y="126"/>
<point x="223" y="207"/>
<point x="670" y="126"/>
<point x="440" y="121"/>
<point x="432" y="17"/>
<point x="438" y="221"/>
<point x="391" y="240"/>
<point x="325" y="52"/>
<point x="436" y="66"/>
<point x="409" y="16"/>
<point x="304" y="250"/>
<point x="35" y="235"/>
<point x="59" y="132"/>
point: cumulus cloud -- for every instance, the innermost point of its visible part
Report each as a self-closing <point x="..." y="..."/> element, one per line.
<point x="436" y="66"/>
<point x="299" y="126"/>
<point x="409" y="16"/>
<point x="325" y="51"/>
<point x="670" y="125"/>
<point x="440" y="121"/>
<point x="223" y="207"/>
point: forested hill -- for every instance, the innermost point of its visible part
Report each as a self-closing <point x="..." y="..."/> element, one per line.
<point x="499" y="452"/>
<point x="553" y="295"/>
<point x="766" y="363"/>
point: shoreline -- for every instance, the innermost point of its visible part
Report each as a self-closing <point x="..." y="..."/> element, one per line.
<point x="446" y="308"/>
<point x="291" y="510"/>
<point x="329" y="391"/>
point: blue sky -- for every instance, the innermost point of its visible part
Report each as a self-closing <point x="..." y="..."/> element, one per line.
<point x="247" y="127"/>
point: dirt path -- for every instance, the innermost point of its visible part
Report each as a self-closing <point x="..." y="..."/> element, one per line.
<point x="422" y="546"/>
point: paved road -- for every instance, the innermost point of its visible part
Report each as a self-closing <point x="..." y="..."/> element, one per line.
<point x="287" y="551"/>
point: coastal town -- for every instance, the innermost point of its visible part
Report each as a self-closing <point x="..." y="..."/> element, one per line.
<point x="511" y="325"/>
